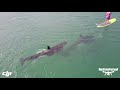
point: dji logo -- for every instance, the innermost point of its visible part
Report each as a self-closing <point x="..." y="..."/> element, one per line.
<point x="108" y="71"/>
<point x="6" y="74"/>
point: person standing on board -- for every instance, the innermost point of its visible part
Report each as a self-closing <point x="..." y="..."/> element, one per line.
<point x="107" y="18"/>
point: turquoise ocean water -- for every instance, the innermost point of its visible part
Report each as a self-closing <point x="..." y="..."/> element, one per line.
<point x="22" y="34"/>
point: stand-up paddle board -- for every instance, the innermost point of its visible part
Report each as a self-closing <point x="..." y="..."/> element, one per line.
<point x="104" y="25"/>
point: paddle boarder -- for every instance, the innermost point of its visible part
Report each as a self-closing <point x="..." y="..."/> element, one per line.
<point x="107" y="18"/>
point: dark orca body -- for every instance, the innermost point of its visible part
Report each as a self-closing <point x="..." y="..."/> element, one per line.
<point x="51" y="51"/>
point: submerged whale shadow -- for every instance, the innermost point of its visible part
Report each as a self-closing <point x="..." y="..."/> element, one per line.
<point x="82" y="40"/>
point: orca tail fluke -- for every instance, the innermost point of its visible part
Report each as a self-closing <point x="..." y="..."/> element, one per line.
<point x="22" y="61"/>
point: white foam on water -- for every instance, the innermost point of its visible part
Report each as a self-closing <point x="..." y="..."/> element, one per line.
<point x="41" y="50"/>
